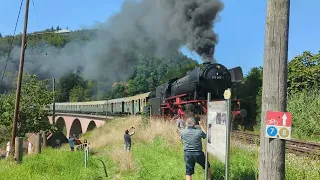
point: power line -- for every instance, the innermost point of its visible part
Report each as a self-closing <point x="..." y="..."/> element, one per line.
<point x="34" y="7"/>
<point x="10" y="49"/>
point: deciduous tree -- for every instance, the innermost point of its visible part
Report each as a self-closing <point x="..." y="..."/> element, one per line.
<point x="304" y="72"/>
<point x="35" y="95"/>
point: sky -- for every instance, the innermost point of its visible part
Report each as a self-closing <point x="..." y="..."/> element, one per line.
<point x="241" y="25"/>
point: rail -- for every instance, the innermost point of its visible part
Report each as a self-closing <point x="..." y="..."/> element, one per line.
<point x="294" y="146"/>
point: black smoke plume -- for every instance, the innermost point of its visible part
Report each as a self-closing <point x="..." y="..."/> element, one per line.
<point x="153" y="27"/>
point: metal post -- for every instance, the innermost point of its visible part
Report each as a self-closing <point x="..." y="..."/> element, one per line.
<point x="228" y="137"/>
<point x="85" y="159"/>
<point x="107" y="110"/>
<point x="17" y="103"/>
<point x="150" y="111"/>
<point x="86" y="156"/>
<point x="87" y="153"/>
<point x="206" y="163"/>
<point x="53" y="100"/>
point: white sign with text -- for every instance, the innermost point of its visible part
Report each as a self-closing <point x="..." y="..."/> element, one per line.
<point x="216" y="128"/>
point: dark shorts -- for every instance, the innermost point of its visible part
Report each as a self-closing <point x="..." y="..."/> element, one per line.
<point x="191" y="158"/>
<point x="127" y="146"/>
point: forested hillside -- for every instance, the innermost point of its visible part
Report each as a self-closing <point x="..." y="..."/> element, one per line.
<point x="148" y="73"/>
<point x="131" y="77"/>
<point x="48" y="54"/>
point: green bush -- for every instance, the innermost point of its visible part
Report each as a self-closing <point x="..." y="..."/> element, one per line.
<point x="305" y="109"/>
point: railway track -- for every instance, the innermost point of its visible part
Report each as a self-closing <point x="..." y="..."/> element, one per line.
<point x="294" y="146"/>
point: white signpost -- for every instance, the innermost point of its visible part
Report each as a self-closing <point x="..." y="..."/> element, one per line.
<point x="218" y="130"/>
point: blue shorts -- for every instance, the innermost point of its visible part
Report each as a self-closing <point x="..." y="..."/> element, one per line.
<point x="191" y="158"/>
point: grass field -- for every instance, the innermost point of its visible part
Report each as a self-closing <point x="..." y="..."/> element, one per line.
<point x="156" y="154"/>
<point x="51" y="164"/>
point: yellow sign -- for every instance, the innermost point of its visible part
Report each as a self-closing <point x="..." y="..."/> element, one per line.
<point x="227" y="94"/>
<point x="284" y="132"/>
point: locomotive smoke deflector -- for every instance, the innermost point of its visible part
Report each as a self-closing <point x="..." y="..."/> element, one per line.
<point x="236" y="74"/>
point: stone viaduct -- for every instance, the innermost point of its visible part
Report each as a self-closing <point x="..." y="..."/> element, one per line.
<point x="70" y="124"/>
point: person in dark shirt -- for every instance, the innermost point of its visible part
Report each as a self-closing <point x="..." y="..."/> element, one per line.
<point x="127" y="139"/>
<point x="191" y="137"/>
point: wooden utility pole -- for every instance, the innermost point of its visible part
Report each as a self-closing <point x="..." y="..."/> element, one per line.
<point x="17" y="103"/>
<point x="274" y="87"/>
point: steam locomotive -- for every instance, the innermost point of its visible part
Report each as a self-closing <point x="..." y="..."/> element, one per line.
<point x="188" y="95"/>
<point x="178" y="96"/>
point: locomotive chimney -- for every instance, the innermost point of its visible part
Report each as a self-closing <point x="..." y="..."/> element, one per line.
<point x="206" y="63"/>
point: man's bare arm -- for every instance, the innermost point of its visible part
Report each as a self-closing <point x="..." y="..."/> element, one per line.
<point x="201" y="126"/>
<point x="132" y="132"/>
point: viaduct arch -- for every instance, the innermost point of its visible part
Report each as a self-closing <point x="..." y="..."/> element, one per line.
<point x="70" y="125"/>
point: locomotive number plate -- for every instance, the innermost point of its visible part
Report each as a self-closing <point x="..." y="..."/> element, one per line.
<point x="217" y="77"/>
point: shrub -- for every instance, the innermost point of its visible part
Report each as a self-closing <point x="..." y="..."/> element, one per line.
<point x="305" y="109"/>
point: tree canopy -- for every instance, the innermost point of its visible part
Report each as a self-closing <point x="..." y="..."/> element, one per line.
<point x="303" y="77"/>
<point x="35" y="95"/>
<point x="304" y="72"/>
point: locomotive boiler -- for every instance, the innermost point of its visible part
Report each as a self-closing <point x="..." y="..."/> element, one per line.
<point x="191" y="91"/>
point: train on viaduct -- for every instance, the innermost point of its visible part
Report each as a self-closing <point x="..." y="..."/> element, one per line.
<point x="175" y="97"/>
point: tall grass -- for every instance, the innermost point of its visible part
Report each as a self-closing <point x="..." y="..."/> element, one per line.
<point x="305" y="109"/>
<point x="112" y="133"/>
<point x="108" y="139"/>
<point x="52" y="164"/>
<point x="157" y="153"/>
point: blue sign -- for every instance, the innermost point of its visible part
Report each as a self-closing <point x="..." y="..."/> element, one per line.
<point x="272" y="131"/>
